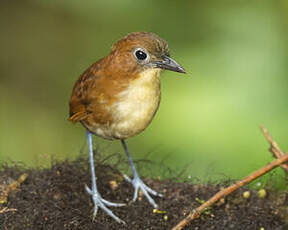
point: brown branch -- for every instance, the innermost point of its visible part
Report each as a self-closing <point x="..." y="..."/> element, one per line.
<point x="274" y="148"/>
<point x="278" y="162"/>
<point x="6" y="209"/>
<point x="13" y="186"/>
<point x="196" y="213"/>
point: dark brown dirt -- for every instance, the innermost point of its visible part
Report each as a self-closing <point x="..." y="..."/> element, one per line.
<point x="55" y="198"/>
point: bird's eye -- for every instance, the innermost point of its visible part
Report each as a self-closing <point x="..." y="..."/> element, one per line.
<point x="141" y="55"/>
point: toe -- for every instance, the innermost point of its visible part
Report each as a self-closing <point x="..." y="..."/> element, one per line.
<point x="127" y="178"/>
<point x="153" y="192"/>
<point x="149" y="198"/>
<point x="110" y="213"/>
<point x="135" y="193"/>
<point x="95" y="211"/>
<point x="100" y="203"/>
<point x="108" y="203"/>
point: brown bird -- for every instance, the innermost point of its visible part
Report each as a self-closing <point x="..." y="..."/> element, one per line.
<point x="118" y="96"/>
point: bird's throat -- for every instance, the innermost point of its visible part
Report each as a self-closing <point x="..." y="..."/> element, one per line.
<point x="137" y="105"/>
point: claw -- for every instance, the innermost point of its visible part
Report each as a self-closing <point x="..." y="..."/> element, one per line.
<point x="135" y="193"/>
<point x="153" y="192"/>
<point x="139" y="184"/>
<point x="100" y="202"/>
<point x="95" y="211"/>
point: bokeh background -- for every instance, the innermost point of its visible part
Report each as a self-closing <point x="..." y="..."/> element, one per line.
<point x="235" y="53"/>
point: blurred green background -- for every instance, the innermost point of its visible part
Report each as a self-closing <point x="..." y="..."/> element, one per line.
<point x="235" y="53"/>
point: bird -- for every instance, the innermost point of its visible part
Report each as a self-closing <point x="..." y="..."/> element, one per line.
<point x="117" y="97"/>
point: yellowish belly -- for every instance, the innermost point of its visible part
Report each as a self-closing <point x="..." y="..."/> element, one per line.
<point x="135" y="107"/>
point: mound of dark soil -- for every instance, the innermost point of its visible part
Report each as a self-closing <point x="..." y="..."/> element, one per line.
<point x="55" y="198"/>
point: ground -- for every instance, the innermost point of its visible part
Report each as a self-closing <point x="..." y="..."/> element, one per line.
<point x="55" y="198"/>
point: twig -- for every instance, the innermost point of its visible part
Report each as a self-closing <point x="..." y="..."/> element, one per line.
<point x="11" y="187"/>
<point x="6" y="209"/>
<point x="197" y="212"/>
<point x="274" y="149"/>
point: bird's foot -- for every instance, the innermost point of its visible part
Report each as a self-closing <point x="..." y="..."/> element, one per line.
<point x="139" y="184"/>
<point x="99" y="202"/>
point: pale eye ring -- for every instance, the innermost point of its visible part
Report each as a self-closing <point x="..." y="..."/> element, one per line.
<point x="141" y="54"/>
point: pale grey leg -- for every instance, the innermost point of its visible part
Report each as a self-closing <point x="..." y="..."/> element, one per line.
<point x="137" y="182"/>
<point x="97" y="199"/>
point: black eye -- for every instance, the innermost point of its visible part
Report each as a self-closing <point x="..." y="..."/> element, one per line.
<point x="140" y="55"/>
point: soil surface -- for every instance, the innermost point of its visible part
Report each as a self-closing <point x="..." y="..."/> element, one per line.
<point x="55" y="198"/>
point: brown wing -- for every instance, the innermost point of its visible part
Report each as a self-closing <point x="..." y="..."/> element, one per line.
<point x="94" y="93"/>
<point x="80" y="97"/>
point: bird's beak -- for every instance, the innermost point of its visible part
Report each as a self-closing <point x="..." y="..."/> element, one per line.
<point x="169" y="64"/>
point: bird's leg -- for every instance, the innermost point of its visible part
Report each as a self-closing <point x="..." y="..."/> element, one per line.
<point x="137" y="182"/>
<point x="97" y="199"/>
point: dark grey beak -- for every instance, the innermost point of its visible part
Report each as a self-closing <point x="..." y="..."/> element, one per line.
<point x="169" y="64"/>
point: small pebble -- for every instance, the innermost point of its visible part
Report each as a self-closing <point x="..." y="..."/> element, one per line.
<point x="262" y="193"/>
<point x="113" y="184"/>
<point x="246" y="194"/>
<point x="155" y="210"/>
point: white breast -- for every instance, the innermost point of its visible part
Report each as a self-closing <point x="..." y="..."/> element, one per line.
<point x="137" y="105"/>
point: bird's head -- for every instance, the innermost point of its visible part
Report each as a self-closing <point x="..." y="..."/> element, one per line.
<point x="140" y="51"/>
